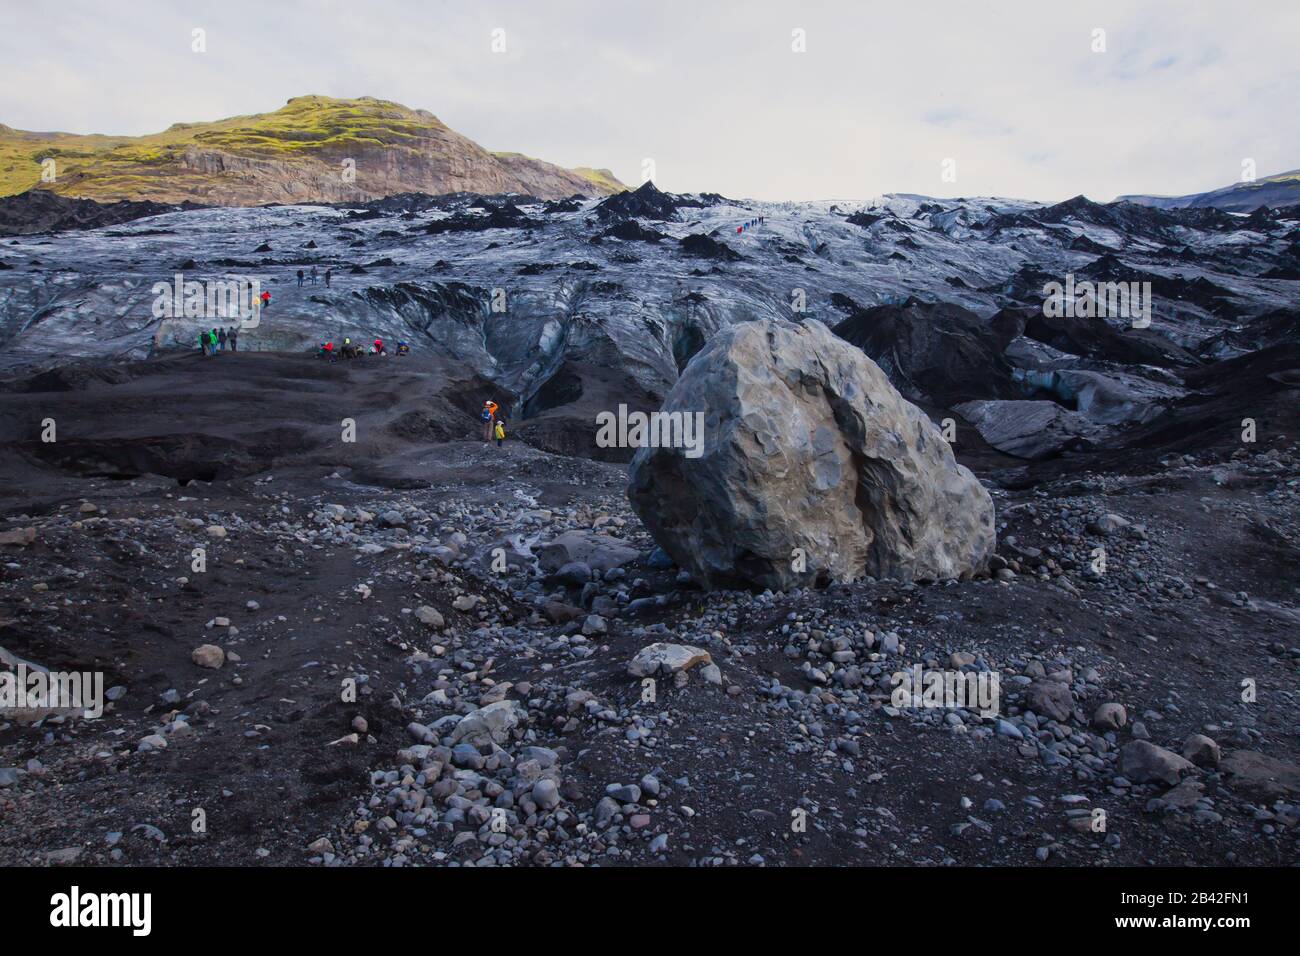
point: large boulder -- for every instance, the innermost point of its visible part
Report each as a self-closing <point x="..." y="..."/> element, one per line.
<point x="813" y="469"/>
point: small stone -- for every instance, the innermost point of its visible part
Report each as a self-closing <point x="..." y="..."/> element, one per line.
<point x="629" y="793"/>
<point x="1144" y="762"/>
<point x="18" y="536"/>
<point x="546" y="794"/>
<point x="1051" y="698"/>
<point x="208" y="655"/>
<point x="669" y="657"/>
<point x="1202" y="750"/>
<point x="1110" y="716"/>
<point x="429" y="616"/>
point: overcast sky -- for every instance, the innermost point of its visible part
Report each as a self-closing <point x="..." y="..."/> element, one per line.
<point x="712" y="91"/>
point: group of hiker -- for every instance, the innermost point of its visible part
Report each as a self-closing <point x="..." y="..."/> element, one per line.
<point x="493" y="427"/>
<point x="216" y="340"/>
<point x="349" y="350"/>
<point x="311" y="276"/>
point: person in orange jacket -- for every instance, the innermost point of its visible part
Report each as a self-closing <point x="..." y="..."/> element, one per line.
<point x="489" y="419"/>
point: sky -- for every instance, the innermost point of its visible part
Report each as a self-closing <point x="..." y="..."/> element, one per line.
<point x="940" y="97"/>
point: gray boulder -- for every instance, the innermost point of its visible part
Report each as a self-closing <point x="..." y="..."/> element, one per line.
<point x="488" y="725"/>
<point x="1027" y="429"/>
<point x="599" y="552"/>
<point x="1144" y="762"/>
<point x="1051" y="699"/>
<point x="670" y="658"/>
<point x="812" y="469"/>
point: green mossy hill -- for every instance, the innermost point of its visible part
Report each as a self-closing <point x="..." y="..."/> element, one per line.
<point x="309" y="133"/>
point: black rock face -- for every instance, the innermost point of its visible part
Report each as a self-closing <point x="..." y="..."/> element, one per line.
<point x="707" y="247"/>
<point x="1092" y="338"/>
<point x="632" y="231"/>
<point x="39" y="210"/>
<point x="937" y="353"/>
<point x="504" y="216"/>
<point x="649" y="202"/>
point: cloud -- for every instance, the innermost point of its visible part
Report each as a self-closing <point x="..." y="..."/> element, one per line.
<point x="714" y="91"/>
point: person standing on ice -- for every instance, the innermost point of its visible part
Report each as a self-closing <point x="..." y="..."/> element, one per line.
<point x="300" y="277"/>
<point x="489" y="419"/>
<point x="203" y="342"/>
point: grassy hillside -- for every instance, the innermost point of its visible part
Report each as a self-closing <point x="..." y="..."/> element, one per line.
<point x="311" y="134"/>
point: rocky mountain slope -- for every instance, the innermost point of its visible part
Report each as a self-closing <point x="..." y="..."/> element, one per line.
<point x="1280" y="190"/>
<point x="313" y="149"/>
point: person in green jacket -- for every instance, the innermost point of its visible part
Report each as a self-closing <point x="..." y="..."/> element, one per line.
<point x="212" y="341"/>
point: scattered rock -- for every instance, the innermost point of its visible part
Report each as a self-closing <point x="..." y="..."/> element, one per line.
<point x="670" y="658"/>
<point x="1144" y="762"/>
<point x="208" y="655"/>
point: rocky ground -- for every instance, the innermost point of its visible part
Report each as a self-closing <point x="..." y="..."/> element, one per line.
<point x="390" y="659"/>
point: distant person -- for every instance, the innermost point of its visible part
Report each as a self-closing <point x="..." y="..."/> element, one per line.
<point x="313" y="275"/>
<point x="203" y="342"/>
<point x="300" y="277"/>
<point x="328" y="273"/>
<point x="233" y="338"/>
<point x="489" y="419"/>
<point x="379" y="347"/>
<point x="500" y="431"/>
<point x="403" y="349"/>
<point x="212" y="341"/>
<point x="266" y="300"/>
<point x="221" y="339"/>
